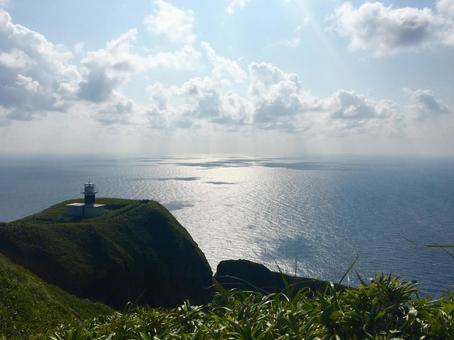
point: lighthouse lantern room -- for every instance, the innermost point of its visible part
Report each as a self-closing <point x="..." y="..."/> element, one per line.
<point x="89" y="193"/>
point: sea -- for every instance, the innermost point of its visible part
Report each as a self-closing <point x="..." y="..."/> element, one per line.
<point x="309" y="216"/>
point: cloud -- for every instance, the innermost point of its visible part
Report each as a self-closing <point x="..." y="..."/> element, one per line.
<point x="105" y="69"/>
<point x="277" y="97"/>
<point x="116" y="111"/>
<point x="201" y="100"/>
<point x="425" y="105"/>
<point x="35" y="74"/>
<point x="224" y="69"/>
<point x="385" y="30"/>
<point x="27" y="83"/>
<point x="174" y="23"/>
<point x="348" y="105"/>
<point x="276" y="100"/>
<point x="351" y="112"/>
<point x="37" y="77"/>
<point x="234" y="5"/>
<point x="446" y="11"/>
<point x="207" y="102"/>
<point x="15" y="59"/>
<point x="185" y="58"/>
<point x="446" y="8"/>
<point x="196" y="101"/>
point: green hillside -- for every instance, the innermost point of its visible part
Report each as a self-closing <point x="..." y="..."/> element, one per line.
<point x="28" y="306"/>
<point x="136" y="252"/>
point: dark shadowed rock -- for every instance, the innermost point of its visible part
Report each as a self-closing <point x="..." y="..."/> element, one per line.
<point x="248" y="275"/>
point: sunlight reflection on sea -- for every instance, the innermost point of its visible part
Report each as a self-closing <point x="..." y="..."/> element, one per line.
<point x="318" y="213"/>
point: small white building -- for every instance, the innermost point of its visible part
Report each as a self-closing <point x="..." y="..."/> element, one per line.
<point x="89" y="208"/>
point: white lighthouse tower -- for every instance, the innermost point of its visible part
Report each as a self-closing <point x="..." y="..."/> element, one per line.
<point x="89" y="208"/>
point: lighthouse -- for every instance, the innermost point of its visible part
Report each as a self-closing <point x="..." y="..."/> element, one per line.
<point x="89" y="193"/>
<point x="89" y="208"/>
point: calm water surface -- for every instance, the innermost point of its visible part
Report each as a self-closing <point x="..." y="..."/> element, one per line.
<point x="310" y="215"/>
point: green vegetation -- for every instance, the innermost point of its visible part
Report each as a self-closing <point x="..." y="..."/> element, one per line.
<point x="136" y="252"/>
<point x="29" y="306"/>
<point x="384" y="309"/>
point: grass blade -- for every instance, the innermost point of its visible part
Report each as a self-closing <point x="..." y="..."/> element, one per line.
<point x="348" y="270"/>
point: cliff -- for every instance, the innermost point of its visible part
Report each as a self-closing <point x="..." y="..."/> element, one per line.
<point x="136" y="252"/>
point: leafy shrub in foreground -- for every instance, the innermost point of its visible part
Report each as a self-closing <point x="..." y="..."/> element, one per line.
<point x="386" y="308"/>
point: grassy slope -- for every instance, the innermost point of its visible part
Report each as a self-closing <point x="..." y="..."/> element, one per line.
<point x="30" y="306"/>
<point x="137" y="251"/>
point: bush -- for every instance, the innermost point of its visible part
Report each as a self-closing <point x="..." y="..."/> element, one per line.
<point x="383" y="309"/>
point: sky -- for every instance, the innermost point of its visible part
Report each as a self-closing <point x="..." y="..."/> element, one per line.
<point x="275" y="77"/>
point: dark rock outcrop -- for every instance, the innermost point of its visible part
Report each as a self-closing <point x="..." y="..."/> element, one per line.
<point x="248" y="275"/>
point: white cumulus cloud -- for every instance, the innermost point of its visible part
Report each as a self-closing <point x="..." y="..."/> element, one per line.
<point x="425" y="105"/>
<point x="223" y="68"/>
<point x="446" y="10"/>
<point x="171" y="21"/>
<point x="35" y="74"/>
<point x="384" y="29"/>
<point x="278" y="98"/>
<point x="105" y="69"/>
